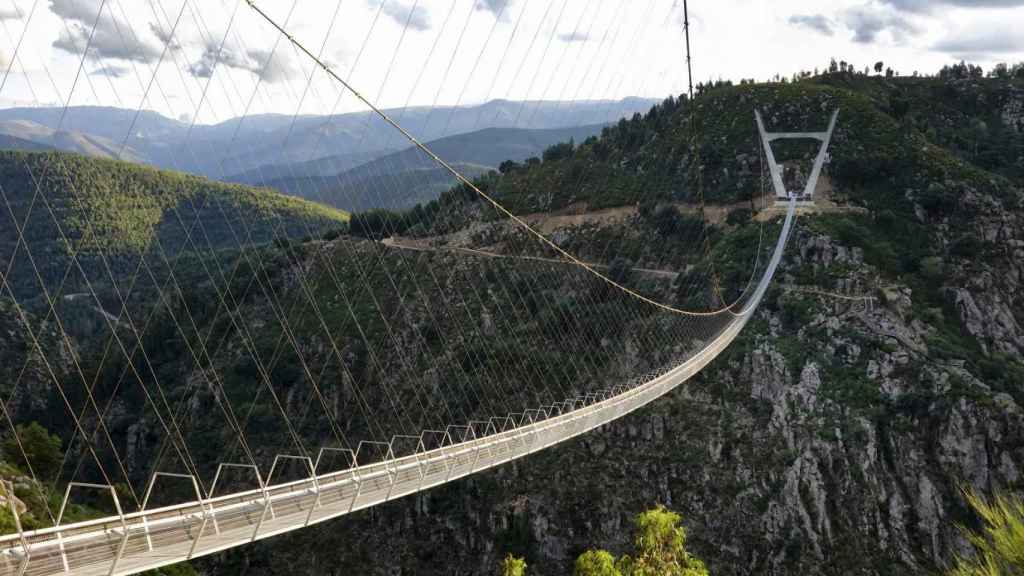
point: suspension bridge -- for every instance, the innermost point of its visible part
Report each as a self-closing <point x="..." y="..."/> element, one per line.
<point x="381" y="468"/>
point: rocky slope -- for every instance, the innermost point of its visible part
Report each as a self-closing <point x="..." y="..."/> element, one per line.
<point x="833" y="439"/>
<point x="882" y="373"/>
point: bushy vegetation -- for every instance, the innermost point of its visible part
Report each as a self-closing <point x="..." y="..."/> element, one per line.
<point x="998" y="542"/>
<point x="931" y="136"/>
<point x="659" y="550"/>
<point x="42" y="449"/>
<point x="596" y="563"/>
<point x="513" y="566"/>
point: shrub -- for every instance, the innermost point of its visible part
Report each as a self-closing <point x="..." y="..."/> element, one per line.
<point x="596" y="563"/>
<point x="513" y="566"/>
<point x="661" y="547"/>
<point x="558" y="152"/>
<point x="660" y="551"/>
<point x="42" y="449"/>
<point x="508" y="166"/>
<point x="999" y="544"/>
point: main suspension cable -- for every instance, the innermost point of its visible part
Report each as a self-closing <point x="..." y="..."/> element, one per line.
<point x="465" y="181"/>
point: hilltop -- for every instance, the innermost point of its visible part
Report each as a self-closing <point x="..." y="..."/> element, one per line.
<point x="646" y="158"/>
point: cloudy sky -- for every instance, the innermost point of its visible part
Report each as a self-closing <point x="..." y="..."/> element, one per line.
<point x="215" y="59"/>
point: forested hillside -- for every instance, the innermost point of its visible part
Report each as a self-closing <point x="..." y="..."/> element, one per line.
<point x="882" y="373"/>
<point x="104" y="210"/>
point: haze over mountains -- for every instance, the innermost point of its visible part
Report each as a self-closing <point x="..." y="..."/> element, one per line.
<point x="408" y="177"/>
<point x="305" y="154"/>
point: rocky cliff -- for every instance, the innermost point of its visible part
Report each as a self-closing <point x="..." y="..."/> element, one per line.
<point x="882" y="373"/>
<point x="834" y="438"/>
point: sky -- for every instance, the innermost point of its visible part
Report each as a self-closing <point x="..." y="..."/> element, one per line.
<point x="210" y="60"/>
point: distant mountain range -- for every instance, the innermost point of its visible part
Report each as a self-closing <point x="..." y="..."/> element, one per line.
<point x="31" y="136"/>
<point x="339" y="159"/>
<point x="408" y="177"/>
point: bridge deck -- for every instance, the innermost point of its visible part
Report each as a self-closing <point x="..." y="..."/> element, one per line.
<point x="169" y="535"/>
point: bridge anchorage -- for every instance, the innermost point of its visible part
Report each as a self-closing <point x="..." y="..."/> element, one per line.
<point x="803" y="197"/>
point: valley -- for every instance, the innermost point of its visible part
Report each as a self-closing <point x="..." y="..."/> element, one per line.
<point x="832" y="437"/>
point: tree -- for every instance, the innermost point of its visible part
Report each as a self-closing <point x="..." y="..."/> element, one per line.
<point x="1001" y="71"/>
<point x="41" y="448"/>
<point x="513" y="566"/>
<point x="666" y="220"/>
<point x="661" y="547"/>
<point x="596" y="563"/>
<point x="889" y="73"/>
<point x="999" y="545"/>
<point x="878" y="67"/>
<point x="960" y="71"/>
<point x="559" y="151"/>
<point x="660" y="544"/>
<point x="833" y="67"/>
<point x="508" y="166"/>
<point x="899" y="107"/>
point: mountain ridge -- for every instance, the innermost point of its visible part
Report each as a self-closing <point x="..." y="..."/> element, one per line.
<point x="409" y="177"/>
<point x="160" y="141"/>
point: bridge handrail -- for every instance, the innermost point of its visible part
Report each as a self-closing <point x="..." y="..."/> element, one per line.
<point x="160" y="520"/>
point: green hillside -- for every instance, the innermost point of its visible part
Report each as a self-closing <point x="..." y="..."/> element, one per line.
<point x="646" y="158"/>
<point x="358" y="190"/>
<point x="833" y="436"/>
<point x="104" y="209"/>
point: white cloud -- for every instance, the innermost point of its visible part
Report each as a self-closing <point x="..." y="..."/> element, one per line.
<point x="497" y="7"/>
<point x="731" y="39"/>
<point x="867" y="23"/>
<point x="817" y="22"/>
<point x="272" y="68"/>
<point x="982" y="43"/>
<point x="415" y="16"/>
<point x="932" y="5"/>
<point x="110" y="39"/>
<point x="575" y="36"/>
<point x="112" y="70"/>
<point x="10" y="13"/>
